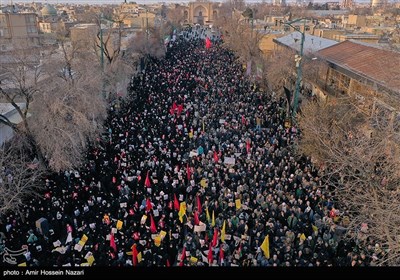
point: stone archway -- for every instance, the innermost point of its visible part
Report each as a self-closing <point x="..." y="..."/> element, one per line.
<point x="200" y="14"/>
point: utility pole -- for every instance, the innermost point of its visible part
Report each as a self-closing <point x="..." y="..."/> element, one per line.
<point x="298" y="60"/>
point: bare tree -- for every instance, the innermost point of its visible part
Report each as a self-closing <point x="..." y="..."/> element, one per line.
<point x="359" y="157"/>
<point x="240" y="37"/>
<point x="280" y="70"/>
<point x="68" y="113"/>
<point x="175" y="15"/>
<point x="19" y="87"/>
<point x="239" y="5"/>
<point x="62" y="103"/>
<point x="109" y="40"/>
<point x="148" y="44"/>
<point x="19" y="177"/>
<point x="314" y="70"/>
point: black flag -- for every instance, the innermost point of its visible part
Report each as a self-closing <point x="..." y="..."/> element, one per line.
<point x="288" y="94"/>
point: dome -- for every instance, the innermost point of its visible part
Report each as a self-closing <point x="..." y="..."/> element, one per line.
<point x="48" y="10"/>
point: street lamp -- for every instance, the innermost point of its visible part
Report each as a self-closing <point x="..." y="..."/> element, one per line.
<point x="298" y="60"/>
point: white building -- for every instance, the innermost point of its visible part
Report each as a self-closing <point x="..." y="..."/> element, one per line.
<point x="8" y="111"/>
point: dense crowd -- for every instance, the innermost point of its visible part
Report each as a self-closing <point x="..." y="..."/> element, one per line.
<point x="195" y="168"/>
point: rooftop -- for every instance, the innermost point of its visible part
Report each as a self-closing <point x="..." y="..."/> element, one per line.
<point x="312" y="43"/>
<point x="376" y="64"/>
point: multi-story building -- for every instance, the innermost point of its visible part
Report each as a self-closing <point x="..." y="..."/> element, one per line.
<point x="84" y="35"/>
<point x="18" y="29"/>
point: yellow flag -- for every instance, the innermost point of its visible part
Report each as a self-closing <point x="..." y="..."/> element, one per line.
<point x="208" y="215"/>
<point x="223" y="232"/>
<point x="119" y="224"/>
<point x="302" y="237"/>
<point x="182" y="211"/>
<point x="203" y="183"/>
<point x="163" y="234"/>
<point x="190" y="135"/>
<point x="203" y="125"/>
<point x="139" y="257"/>
<point x="193" y="259"/>
<point x="213" y="219"/>
<point x="265" y="247"/>
<point x="83" y="240"/>
<point x="90" y="260"/>
<point x="238" y="203"/>
<point x="157" y="241"/>
<point x="314" y="228"/>
<point x="22" y="264"/>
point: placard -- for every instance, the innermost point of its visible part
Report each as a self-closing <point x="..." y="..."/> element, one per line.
<point x="229" y="160"/>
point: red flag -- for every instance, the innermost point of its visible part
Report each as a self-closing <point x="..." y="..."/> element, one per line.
<point x="208" y="43"/>
<point x="199" y="208"/>
<point x="183" y="256"/>
<point x="168" y="265"/>
<point x="188" y="171"/>
<point x="112" y="243"/>
<point x="210" y="255"/>
<point x="215" y="237"/>
<point x="196" y="218"/>
<point x="171" y="111"/>
<point x="134" y="255"/>
<point x="216" y="157"/>
<point x="243" y="119"/>
<point x="153" y="228"/>
<point x="221" y="254"/>
<point x="147" y="181"/>
<point x="176" y="203"/>
<point x="180" y="109"/>
<point x="148" y="205"/>
<point x="174" y="107"/>
<point x="248" y="146"/>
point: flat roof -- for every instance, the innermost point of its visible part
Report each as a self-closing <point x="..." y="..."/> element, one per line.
<point x="312" y="43"/>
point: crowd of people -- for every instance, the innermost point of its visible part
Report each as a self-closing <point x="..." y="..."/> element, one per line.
<point x="195" y="168"/>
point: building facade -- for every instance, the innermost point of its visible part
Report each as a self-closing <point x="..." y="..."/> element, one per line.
<point x="202" y="13"/>
<point x="18" y="29"/>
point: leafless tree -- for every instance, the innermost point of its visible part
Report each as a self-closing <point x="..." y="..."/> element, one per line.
<point x="19" y="177"/>
<point x="62" y="102"/>
<point x="175" y="15"/>
<point x="148" y="44"/>
<point x="358" y="155"/>
<point x="68" y="113"/>
<point x="314" y="70"/>
<point x="110" y="40"/>
<point x="19" y="86"/>
<point x="280" y="70"/>
<point x="240" y="37"/>
<point x="239" y="5"/>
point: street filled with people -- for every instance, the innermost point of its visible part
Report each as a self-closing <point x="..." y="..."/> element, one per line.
<point x="195" y="168"/>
